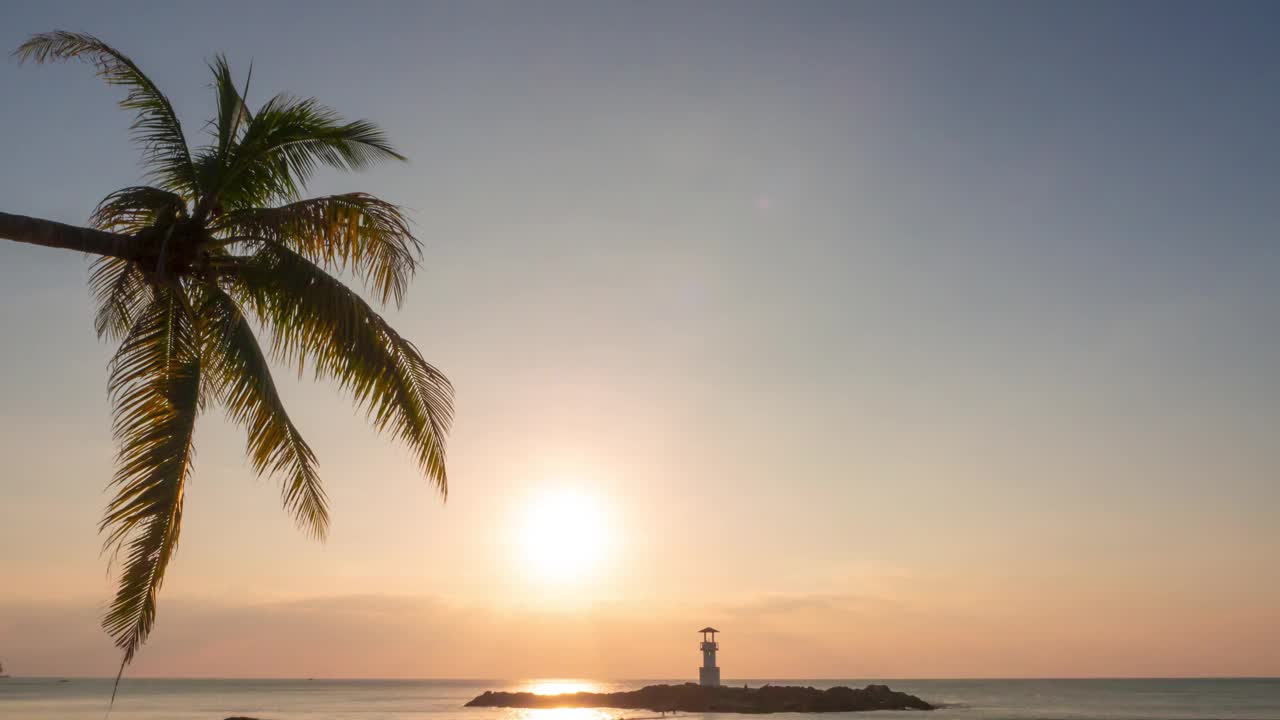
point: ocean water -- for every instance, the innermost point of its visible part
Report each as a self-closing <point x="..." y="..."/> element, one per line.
<point x="155" y="699"/>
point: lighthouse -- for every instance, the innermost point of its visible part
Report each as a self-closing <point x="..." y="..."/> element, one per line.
<point x="709" y="674"/>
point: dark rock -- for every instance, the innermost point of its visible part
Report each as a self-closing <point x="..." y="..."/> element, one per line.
<point x="695" y="698"/>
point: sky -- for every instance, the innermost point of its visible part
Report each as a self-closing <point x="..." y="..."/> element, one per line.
<point x="920" y="339"/>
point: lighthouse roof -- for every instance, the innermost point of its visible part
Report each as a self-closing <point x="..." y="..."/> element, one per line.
<point x="708" y="629"/>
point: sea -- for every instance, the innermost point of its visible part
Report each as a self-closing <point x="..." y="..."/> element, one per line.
<point x="209" y="699"/>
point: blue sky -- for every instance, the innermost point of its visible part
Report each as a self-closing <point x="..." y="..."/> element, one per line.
<point x="1006" y="269"/>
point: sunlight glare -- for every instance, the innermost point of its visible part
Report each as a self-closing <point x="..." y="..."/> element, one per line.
<point x="564" y="537"/>
<point x="564" y="714"/>
<point x="560" y="687"/>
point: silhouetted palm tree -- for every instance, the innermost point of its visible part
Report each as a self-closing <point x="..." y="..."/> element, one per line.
<point x="188" y="265"/>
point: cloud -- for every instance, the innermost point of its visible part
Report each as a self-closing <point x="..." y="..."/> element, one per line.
<point x="768" y="636"/>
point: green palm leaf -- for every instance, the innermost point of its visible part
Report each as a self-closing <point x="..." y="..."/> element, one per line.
<point x="316" y="320"/>
<point x="122" y="291"/>
<point x="355" y="231"/>
<point x="285" y="142"/>
<point x="155" y="391"/>
<point x="155" y="127"/>
<point x="134" y="209"/>
<point x="233" y="114"/>
<point x="241" y="381"/>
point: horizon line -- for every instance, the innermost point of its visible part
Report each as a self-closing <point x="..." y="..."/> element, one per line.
<point x="638" y="679"/>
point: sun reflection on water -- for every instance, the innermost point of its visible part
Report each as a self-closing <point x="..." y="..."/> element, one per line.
<point x="563" y="714"/>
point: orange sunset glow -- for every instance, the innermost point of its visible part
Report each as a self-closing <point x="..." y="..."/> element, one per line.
<point x="462" y="359"/>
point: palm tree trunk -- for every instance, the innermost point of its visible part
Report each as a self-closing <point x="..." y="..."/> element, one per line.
<point x="57" y="235"/>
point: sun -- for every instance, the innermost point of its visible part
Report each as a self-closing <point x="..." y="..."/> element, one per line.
<point x="565" y="536"/>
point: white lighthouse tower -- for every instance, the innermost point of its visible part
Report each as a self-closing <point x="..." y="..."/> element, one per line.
<point x="709" y="674"/>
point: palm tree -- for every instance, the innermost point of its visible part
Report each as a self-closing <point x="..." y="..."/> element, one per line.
<point x="220" y="244"/>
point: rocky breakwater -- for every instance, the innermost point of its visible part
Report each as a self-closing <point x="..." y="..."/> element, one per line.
<point x="696" y="698"/>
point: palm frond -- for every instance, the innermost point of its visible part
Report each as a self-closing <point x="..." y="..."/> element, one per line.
<point x="285" y="142"/>
<point x="155" y="392"/>
<point x="155" y="127"/>
<point x="315" y="319"/>
<point x="355" y="231"/>
<point x="227" y="127"/>
<point x="122" y="292"/>
<point x="134" y="209"/>
<point x="221" y="244"/>
<point x="242" y="383"/>
<point x="233" y="114"/>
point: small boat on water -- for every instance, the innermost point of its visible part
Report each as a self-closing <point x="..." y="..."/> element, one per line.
<point x="2" y="675"/>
